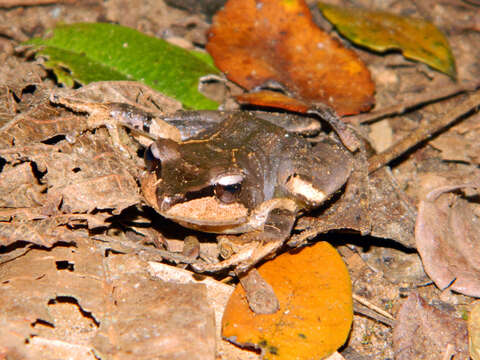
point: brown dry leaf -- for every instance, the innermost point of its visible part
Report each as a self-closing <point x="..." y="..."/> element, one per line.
<point x="460" y="143"/>
<point x="474" y="331"/>
<point x="149" y="318"/>
<point x="40" y="123"/>
<point x="20" y="187"/>
<point x="18" y="81"/>
<point x="38" y="229"/>
<point x="447" y="234"/>
<point x="44" y="122"/>
<point x="218" y="294"/>
<point x="314" y="292"/>
<point x="259" y="42"/>
<point x="15" y="3"/>
<point x="73" y="301"/>
<point x="424" y="332"/>
<point x="56" y="182"/>
<point x="31" y="286"/>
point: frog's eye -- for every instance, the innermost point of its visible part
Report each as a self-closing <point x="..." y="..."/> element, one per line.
<point x="227" y="189"/>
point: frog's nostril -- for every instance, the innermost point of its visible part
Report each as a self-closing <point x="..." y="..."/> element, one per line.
<point x="166" y="202"/>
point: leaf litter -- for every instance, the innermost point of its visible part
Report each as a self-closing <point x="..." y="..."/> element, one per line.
<point x="395" y="80"/>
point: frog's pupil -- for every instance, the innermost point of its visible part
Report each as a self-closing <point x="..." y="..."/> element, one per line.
<point x="227" y="193"/>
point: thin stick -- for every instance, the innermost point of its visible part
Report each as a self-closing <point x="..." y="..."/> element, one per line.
<point x="423" y="132"/>
<point x="371" y="306"/>
<point x="422" y="99"/>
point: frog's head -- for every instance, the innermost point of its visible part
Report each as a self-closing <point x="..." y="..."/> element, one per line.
<point x="190" y="188"/>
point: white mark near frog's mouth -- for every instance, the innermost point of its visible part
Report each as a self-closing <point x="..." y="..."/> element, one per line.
<point x="298" y="186"/>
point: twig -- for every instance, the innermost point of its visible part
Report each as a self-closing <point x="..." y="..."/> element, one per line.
<point x="388" y="319"/>
<point x="423" y="99"/>
<point x="423" y="132"/>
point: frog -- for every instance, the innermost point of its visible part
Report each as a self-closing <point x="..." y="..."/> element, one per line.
<point x="243" y="176"/>
<point x="240" y="174"/>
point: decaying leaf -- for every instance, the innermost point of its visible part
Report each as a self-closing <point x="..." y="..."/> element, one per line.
<point x="424" y="332"/>
<point x="447" y="233"/>
<point x="256" y="43"/>
<point x="381" y="31"/>
<point x="117" y="309"/>
<point x="314" y="292"/>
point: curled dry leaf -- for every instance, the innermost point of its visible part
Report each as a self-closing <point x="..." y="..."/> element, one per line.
<point x="424" y="332"/>
<point x="447" y="233"/>
<point x="315" y="296"/>
<point x="256" y="43"/>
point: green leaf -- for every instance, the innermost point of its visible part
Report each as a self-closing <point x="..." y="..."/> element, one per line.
<point x="87" y="52"/>
<point x="380" y="31"/>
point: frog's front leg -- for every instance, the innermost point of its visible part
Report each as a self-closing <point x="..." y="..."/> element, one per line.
<point x="254" y="247"/>
<point x="244" y="251"/>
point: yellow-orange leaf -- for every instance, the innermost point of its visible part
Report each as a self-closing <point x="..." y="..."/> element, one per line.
<point x="314" y="291"/>
<point x="418" y="39"/>
<point x="256" y="42"/>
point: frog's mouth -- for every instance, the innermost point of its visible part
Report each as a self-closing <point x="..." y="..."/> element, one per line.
<point x="207" y="214"/>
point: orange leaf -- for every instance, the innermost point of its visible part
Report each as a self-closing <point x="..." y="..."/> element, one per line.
<point x="315" y="296"/>
<point x="256" y="42"/>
